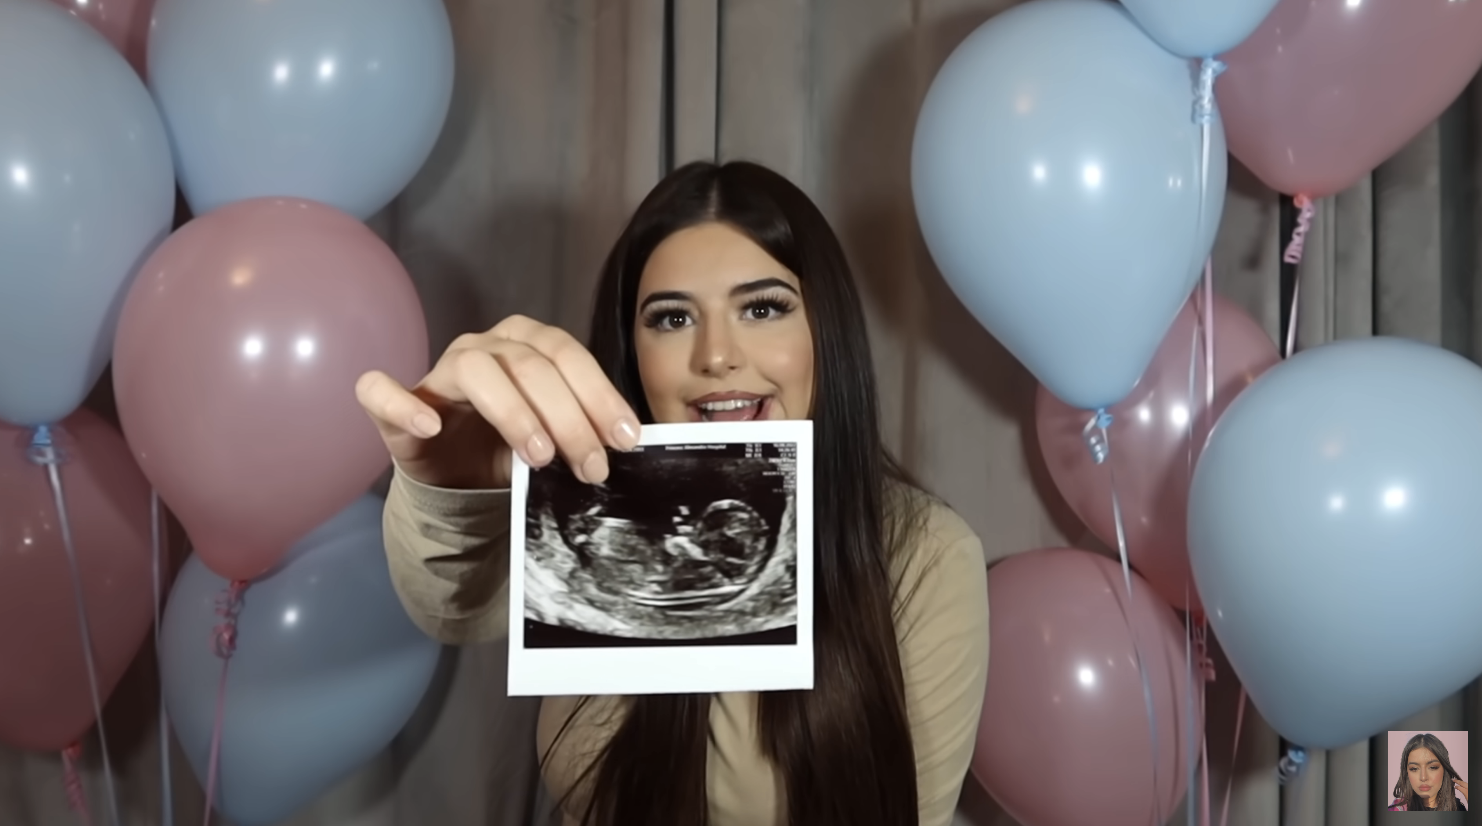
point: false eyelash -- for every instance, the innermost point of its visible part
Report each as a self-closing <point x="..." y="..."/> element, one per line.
<point x="655" y="315"/>
<point x="779" y="303"/>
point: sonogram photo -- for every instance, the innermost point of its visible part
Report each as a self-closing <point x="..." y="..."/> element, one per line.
<point x="683" y="545"/>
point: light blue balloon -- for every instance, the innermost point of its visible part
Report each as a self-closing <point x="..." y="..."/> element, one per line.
<point x="86" y="194"/>
<point x="337" y="101"/>
<point x="327" y="669"/>
<point x="1335" y="535"/>
<point x="1200" y="28"/>
<point x="1056" y="171"/>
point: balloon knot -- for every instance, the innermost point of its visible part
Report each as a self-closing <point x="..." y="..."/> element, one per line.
<point x="72" y="781"/>
<point x="43" y="447"/>
<point x="1306" y="208"/>
<point x="1292" y="765"/>
<point x="1209" y="69"/>
<point x="1094" y="435"/>
<point x="228" y="606"/>
<point x="1202" y="660"/>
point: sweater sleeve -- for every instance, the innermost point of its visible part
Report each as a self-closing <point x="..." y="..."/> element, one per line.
<point x="449" y="558"/>
<point x="943" y="632"/>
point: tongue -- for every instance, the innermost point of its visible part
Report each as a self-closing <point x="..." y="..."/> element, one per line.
<point x="740" y="414"/>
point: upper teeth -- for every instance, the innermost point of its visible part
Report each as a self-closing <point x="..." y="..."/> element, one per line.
<point x="729" y="404"/>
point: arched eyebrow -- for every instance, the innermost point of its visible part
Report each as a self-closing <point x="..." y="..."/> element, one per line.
<point x="743" y="289"/>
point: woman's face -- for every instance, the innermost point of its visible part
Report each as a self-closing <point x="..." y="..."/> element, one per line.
<point x="1426" y="774"/>
<point x="721" y="333"/>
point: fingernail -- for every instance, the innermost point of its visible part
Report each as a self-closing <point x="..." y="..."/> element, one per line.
<point x="594" y="469"/>
<point x="539" y="449"/>
<point x="625" y="433"/>
<point x="426" y="426"/>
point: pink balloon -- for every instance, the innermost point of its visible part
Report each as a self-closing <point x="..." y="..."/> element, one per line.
<point x="45" y="701"/>
<point x="235" y="364"/>
<point x="124" y="22"/>
<point x="1327" y="90"/>
<point x="1064" y="738"/>
<point x="1150" y="441"/>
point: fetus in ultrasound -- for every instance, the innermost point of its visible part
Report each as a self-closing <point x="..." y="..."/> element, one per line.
<point x="689" y="561"/>
<point x="676" y="546"/>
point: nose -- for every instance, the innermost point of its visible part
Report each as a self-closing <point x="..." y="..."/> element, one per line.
<point x="717" y="352"/>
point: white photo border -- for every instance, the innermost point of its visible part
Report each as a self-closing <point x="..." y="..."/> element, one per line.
<point x="697" y="669"/>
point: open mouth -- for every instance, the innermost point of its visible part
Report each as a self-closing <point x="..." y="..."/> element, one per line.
<point x="733" y="410"/>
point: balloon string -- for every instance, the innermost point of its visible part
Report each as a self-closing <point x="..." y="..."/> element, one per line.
<point x="1306" y="209"/>
<point x="1202" y="341"/>
<point x="1208" y="328"/>
<point x="1204" y="666"/>
<point x="1193" y="754"/>
<point x="224" y="641"/>
<point x="44" y="452"/>
<point x="1202" y="344"/>
<point x="1202" y="635"/>
<point x="1204" y="760"/>
<point x="167" y="803"/>
<point x="72" y="782"/>
<point x="1098" y="441"/>
<point x="1234" y="753"/>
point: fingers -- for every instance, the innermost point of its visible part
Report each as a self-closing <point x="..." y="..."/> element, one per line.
<point x="542" y="391"/>
<point x="547" y="393"/>
<point x="394" y="409"/>
<point x="538" y="387"/>
<point x="606" y="409"/>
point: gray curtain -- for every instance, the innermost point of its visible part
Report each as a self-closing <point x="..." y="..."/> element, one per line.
<point x="567" y="111"/>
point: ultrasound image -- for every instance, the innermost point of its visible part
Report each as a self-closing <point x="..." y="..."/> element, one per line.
<point x="683" y="544"/>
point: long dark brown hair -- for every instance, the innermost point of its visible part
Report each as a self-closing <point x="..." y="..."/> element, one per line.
<point x="1446" y="795"/>
<point x="843" y="750"/>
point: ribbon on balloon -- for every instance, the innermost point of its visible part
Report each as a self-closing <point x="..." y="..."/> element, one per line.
<point x="44" y="449"/>
<point x="224" y="642"/>
<point x="160" y="558"/>
<point x="1201" y="348"/>
<point x="1294" y="762"/>
<point x="1098" y="441"/>
<point x="1292" y="256"/>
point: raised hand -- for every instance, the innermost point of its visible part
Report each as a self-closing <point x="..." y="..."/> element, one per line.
<point x="522" y="387"/>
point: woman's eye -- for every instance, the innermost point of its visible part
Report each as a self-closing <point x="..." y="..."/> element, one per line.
<point x="667" y="319"/>
<point x="767" y="309"/>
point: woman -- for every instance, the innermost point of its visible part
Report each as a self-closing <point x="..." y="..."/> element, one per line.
<point x="727" y="297"/>
<point x="1427" y="780"/>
